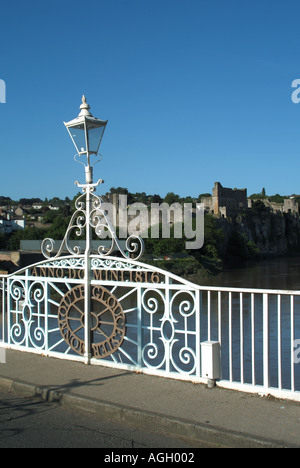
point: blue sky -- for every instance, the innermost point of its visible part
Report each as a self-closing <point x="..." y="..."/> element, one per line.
<point x="195" y="92"/>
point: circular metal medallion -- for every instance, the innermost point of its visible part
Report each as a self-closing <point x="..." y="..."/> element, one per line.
<point x="108" y="322"/>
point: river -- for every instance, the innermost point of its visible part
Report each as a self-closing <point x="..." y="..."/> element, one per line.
<point x="283" y="273"/>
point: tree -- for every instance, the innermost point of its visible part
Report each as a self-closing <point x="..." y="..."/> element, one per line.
<point x="119" y="190"/>
<point x="171" y="198"/>
<point x="258" y="206"/>
<point x="156" y="199"/>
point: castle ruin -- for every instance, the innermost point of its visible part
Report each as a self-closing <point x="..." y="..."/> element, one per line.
<point x="225" y="201"/>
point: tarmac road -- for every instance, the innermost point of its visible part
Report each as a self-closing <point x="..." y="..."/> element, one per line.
<point x="33" y="423"/>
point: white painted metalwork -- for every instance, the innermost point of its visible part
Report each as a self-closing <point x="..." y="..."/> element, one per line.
<point x="90" y="215"/>
<point x="118" y="312"/>
<point x="167" y="319"/>
<point x="163" y="313"/>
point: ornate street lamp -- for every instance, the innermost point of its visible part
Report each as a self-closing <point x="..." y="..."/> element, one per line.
<point x="86" y="133"/>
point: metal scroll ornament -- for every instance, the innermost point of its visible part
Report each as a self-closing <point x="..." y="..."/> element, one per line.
<point x="96" y="218"/>
<point x="108" y="323"/>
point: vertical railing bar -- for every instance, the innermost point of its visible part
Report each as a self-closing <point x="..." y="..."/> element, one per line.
<point x="167" y="314"/>
<point x="220" y="318"/>
<point x="220" y="328"/>
<point x="3" y="310"/>
<point x="266" y="340"/>
<point x="292" y="344"/>
<point x="198" y="338"/>
<point x="209" y="315"/>
<point x="139" y="327"/>
<point x="253" y="337"/>
<point x="8" y="309"/>
<point x="46" y="309"/>
<point x="27" y="299"/>
<point x="279" y="341"/>
<point x="242" y="337"/>
<point x="230" y="337"/>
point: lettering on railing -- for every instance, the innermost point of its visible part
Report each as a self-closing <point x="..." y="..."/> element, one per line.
<point x="132" y="276"/>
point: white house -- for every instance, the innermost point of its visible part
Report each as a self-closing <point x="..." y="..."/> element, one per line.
<point x="8" y="225"/>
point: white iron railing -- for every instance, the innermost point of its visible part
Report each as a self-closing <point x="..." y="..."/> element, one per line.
<point x="167" y="320"/>
<point x="257" y="331"/>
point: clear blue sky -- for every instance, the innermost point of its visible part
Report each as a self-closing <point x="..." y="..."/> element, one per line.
<point x="195" y="92"/>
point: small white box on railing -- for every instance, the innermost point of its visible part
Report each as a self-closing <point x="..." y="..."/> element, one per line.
<point x="2" y="354"/>
<point x="210" y="360"/>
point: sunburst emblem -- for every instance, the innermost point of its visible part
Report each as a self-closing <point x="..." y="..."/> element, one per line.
<point x="108" y="322"/>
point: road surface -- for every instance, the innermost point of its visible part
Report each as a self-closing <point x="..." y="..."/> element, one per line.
<point x="32" y="423"/>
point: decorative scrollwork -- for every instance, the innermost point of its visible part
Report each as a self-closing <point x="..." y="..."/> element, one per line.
<point x="183" y="302"/>
<point x="183" y="309"/>
<point x="38" y="337"/>
<point x="135" y="246"/>
<point x="27" y="302"/>
<point x="18" y="333"/>
<point x="153" y="357"/>
<point x="186" y="361"/>
<point x="17" y="290"/>
<point x="90" y="213"/>
<point x="152" y="304"/>
<point x="36" y="293"/>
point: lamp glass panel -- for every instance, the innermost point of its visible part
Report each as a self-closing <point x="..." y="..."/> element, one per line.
<point x="94" y="136"/>
<point x="78" y="134"/>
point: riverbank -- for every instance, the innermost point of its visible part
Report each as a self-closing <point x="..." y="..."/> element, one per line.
<point x="279" y="273"/>
<point x="189" y="267"/>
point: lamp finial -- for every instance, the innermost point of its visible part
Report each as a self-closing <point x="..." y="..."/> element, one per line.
<point x="84" y="108"/>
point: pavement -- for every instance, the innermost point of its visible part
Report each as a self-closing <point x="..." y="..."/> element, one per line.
<point x="219" y="417"/>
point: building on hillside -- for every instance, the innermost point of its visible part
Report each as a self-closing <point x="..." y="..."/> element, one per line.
<point x="10" y="223"/>
<point x="289" y="205"/>
<point x="225" y="201"/>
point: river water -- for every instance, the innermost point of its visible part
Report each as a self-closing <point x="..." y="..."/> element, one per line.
<point x="283" y="273"/>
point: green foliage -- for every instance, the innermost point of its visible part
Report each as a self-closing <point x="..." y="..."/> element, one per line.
<point x="203" y="195"/>
<point x="171" y="198"/>
<point x="213" y="237"/>
<point x="58" y="227"/>
<point x="259" y="196"/>
<point x="3" y="241"/>
<point x="161" y="246"/>
<point x="181" y="266"/>
<point x="258" y="206"/>
<point x="253" y="250"/>
<point x="276" y="198"/>
<point x="24" y="234"/>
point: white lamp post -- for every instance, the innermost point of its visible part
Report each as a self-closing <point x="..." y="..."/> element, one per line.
<point x="86" y="133"/>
